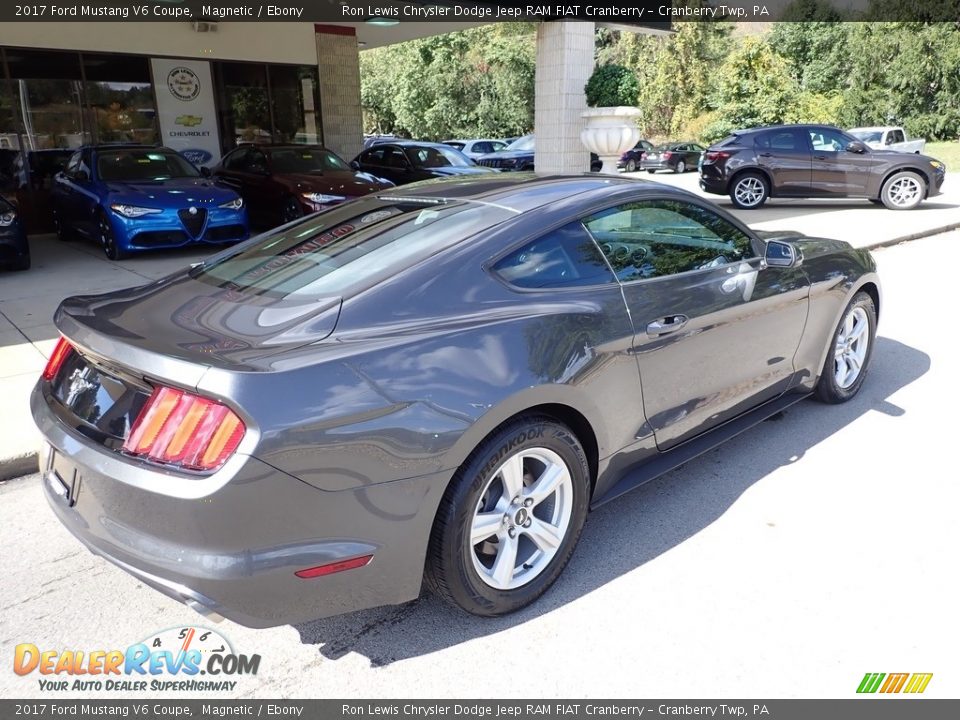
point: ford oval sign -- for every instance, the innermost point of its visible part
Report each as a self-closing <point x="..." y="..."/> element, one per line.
<point x="197" y="156"/>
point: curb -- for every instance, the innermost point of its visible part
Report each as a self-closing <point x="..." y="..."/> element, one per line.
<point x="28" y="463"/>
<point x="913" y="236"/>
<point x="14" y="467"/>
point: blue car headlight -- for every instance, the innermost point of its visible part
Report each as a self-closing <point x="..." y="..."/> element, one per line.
<point x="7" y="219"/>
<point x="133" y="211"/>
<point x="234" y="204"/>
<point x="323" y="199"/>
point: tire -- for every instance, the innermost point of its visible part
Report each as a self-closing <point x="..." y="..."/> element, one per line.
<point x="22" y="264"/>
<point x="903" y="191"/>
<point x="838" y="383"/>
<point x="63" y="234"/>
<point x="290" y="210"/>
<point x="651" y="171"/>
<point x="631" y="165"/>
<point x="749" y="191"/>
<point x="108" y="240"/>
<point x="680" y="167"/>
<point x="467" y="573"/>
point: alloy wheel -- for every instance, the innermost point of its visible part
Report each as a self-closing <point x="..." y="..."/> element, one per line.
<point x="522" y="518"/>
<point x="904" y="191"/>
<point x="749" y="191"/>
<point x="850" y="349"/>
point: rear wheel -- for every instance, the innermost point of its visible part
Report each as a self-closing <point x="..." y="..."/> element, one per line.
<point x="108" y="240"/>
<point x="903" y="191"/>
<point x="749" y="191"/>
<point x="510" y="518"/>
<point x="850" y="350"/>
<point x="681" y="167"/>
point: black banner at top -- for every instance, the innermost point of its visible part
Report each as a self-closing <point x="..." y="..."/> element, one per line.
<point x="649" y="13"/>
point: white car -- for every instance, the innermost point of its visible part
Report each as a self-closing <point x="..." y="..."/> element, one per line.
<point x="475" y="148"/>
<point x="888" y="138"/>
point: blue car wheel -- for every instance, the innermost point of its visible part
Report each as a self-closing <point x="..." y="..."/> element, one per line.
<point x="108" y="239"/>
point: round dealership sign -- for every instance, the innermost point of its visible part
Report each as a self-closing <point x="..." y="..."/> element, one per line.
<point x="183" y="83"/>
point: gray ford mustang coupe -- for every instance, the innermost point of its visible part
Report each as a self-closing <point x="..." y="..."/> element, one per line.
<point x="436" y="382"/>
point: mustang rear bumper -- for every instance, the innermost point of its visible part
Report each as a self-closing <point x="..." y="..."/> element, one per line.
<point x="229" y="544"/>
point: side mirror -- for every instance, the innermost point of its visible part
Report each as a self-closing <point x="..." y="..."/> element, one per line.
<point x="856" y="147"/>
<point x="781" y="254"/>
<point x="82" y="175"/>
<point x="205" y="171"/>
<point x="354" y="164"/>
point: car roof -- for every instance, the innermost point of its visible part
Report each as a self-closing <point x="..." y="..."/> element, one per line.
<point x="415" y="143"/>
<point x="282" y="146"/>
<point x="524" y="191"/>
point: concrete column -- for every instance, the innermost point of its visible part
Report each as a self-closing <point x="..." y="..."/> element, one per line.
<point x="564" y="64"/>
<point x="338" y="62"/>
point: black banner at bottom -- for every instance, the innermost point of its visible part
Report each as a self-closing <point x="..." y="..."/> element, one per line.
<point x="868" y="708"/>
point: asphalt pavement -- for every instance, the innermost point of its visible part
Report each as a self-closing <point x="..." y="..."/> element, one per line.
<point x="817" y="547"/>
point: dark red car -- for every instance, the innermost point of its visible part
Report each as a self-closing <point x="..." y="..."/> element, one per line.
<point x="280" y="183"/>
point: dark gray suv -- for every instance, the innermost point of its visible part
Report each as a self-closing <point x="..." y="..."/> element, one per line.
<point x="812" y="161"/>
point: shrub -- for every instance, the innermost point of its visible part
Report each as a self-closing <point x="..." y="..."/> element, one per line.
<point x="612" y="85"/>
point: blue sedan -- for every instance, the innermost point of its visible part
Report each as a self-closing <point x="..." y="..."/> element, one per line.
<point x="130" y="198"/>
<point x="14" y="250"/>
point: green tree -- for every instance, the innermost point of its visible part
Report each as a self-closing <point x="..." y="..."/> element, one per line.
<point x="754" y="86"/>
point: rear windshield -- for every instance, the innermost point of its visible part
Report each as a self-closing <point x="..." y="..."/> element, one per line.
<point x="437" y="156"/>
<point x="349" y="247"/>
<point x="142" y="165"/>
<point x="305" y="160"/>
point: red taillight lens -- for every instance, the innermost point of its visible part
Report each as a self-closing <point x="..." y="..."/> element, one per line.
<point x="715" y="155"/>
<point x="59" y="354"/>
<point x="186" y="430"/>
<point x="667" y="155"/>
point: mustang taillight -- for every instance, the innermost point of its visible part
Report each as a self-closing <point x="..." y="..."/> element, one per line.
<point x="59" y="354"/>
<point x="184" y="430"/>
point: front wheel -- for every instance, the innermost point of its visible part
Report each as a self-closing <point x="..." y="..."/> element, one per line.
<point x="510" y="518"/>
<point x="903" y="191"/>
<point x="749" y="191"/>
<point x="851" y="347"/>
<point x="108" y="239"/>
<point x="631" y="165"/>
<point x="290" y="210"/>
<point x="651" y="171"/>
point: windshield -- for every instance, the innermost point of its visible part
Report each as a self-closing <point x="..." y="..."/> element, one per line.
<point x="522" y="143"/>
<point x="305" y="160"/>
<point x="867" y="136"/>
<point x="349" y="247"/>
<point x="142" y="165"/>
<point x="440" y="156"/>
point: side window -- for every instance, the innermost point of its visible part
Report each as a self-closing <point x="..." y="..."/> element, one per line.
<point x="482" y="147"/>
<point x="237" y="160"/>
<point x="897" y="136"/>
<point x="394" y="158"/>
<point x="827" y="140"/>
<point x="664" y="237"/>
<point x="497" y="146"/>
<point x="373" y="157"/>
<point x="565" y="257"/>
<point x="783" y="140"/>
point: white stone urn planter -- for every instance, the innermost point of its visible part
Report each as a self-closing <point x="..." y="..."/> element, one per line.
<point x="610" y="132"/>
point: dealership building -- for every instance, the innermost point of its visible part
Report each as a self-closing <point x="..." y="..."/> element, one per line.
<point x="202" y="87"/>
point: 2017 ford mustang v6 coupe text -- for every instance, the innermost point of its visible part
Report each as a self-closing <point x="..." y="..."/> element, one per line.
<point x="435" y="381"/>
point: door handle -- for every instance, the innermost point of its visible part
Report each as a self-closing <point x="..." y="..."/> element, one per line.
<point x="766" y="154"/>
<point x="819" y="157"/>
<point x="666" y="325"/>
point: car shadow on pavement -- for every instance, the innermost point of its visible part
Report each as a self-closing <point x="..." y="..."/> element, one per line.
<point x="630" y="531"/>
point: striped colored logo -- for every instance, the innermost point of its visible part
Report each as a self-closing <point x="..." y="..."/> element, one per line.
<point x="894" y="682"/>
